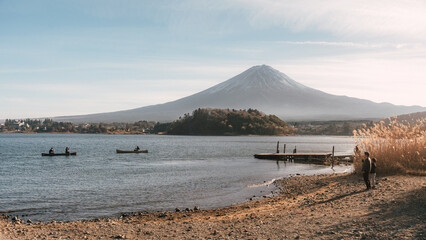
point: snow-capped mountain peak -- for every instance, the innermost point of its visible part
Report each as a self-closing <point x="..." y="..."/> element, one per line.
<point x="261" y="77"/>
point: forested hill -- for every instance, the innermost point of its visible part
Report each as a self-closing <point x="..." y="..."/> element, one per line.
<point x="411" y="118"/>
<point x="205" y="121"/>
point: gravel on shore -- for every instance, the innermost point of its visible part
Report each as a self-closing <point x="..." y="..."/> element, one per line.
<point x="309" y="207"/>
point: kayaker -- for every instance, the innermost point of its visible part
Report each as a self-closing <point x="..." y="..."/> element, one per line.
<point x="137" y="148"/>
<point x="52" y="151"/>
<point x="67" y="150"/>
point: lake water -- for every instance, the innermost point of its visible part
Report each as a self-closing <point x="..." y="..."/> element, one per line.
<point x="178" y="171"/>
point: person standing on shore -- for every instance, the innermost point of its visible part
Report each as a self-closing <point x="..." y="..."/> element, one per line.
<point x="373" y="173"/>
<point x="366" y="168"/>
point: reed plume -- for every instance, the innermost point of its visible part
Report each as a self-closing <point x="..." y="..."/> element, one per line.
<point x="399" y="147"/>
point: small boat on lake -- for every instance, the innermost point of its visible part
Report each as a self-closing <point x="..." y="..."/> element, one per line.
<point x="124" y="151"/>
<point x="58" y="154"/>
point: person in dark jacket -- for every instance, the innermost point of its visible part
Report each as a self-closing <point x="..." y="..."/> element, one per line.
<point x="373" y="173"/>
<point x="366" y="168"/>
<point x="51" y="151"/>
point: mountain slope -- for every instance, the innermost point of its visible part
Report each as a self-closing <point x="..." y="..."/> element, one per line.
<point x="265" y="89"/>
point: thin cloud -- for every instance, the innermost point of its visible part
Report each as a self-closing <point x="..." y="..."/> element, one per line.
<point x="246" y="50"/>
<point x="345" y="44"/>
<point x="395" y="76"/>
<point x="35" y="70"/>
<point x="14" y="100"/>
<point x="364" y="19"/>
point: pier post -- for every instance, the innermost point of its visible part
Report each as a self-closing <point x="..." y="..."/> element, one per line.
<point x="278" y="147"/>
<point x="332" y="158"/>
<point x="284" y="148"/>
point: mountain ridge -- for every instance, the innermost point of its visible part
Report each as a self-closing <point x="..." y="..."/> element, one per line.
<point x="259" y="87"/>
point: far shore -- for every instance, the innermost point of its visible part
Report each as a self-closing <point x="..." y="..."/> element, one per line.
<point x="164" y="134"/>
<point x="110" y="133"/>
<point x="308" y="207"/>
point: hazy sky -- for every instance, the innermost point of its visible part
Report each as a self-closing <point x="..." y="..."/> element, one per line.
<point x="77" y="57"/>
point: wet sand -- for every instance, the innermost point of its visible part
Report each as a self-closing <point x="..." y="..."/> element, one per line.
<point x="308" y="207"/>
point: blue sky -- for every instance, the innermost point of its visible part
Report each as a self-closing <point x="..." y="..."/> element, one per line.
<point x="78" y="57"/>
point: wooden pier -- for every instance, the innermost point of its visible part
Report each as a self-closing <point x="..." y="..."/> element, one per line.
<point x="304" y="157"/>
<point x="291" y="156"/>
<point x="318" y="158"/>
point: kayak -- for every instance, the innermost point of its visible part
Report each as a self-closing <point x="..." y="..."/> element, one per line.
<point x="123" y="151"/>
<point x="58" y="154"/>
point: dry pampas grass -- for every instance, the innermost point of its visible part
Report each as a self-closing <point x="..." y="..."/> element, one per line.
<point x="399" y="147"/>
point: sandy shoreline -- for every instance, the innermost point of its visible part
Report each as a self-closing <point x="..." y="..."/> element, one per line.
<point x="320" y="207"/>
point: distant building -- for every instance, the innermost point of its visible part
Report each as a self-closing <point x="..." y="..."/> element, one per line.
<point x="20" y="125"/>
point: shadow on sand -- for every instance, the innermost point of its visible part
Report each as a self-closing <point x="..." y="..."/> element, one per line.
<point x="402" y="218"/>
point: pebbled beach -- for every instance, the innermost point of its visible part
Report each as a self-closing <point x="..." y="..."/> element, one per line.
<point x="308" y="207"/>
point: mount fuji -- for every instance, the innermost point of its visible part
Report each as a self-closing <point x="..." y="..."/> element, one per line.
<point x="263" y="88"/>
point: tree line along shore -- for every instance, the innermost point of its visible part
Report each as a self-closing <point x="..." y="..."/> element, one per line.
<point x="202" y="121"/>
<point x="397" y="143"/>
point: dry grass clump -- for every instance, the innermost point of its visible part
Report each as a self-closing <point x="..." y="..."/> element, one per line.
<point x="399" y="147"/>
